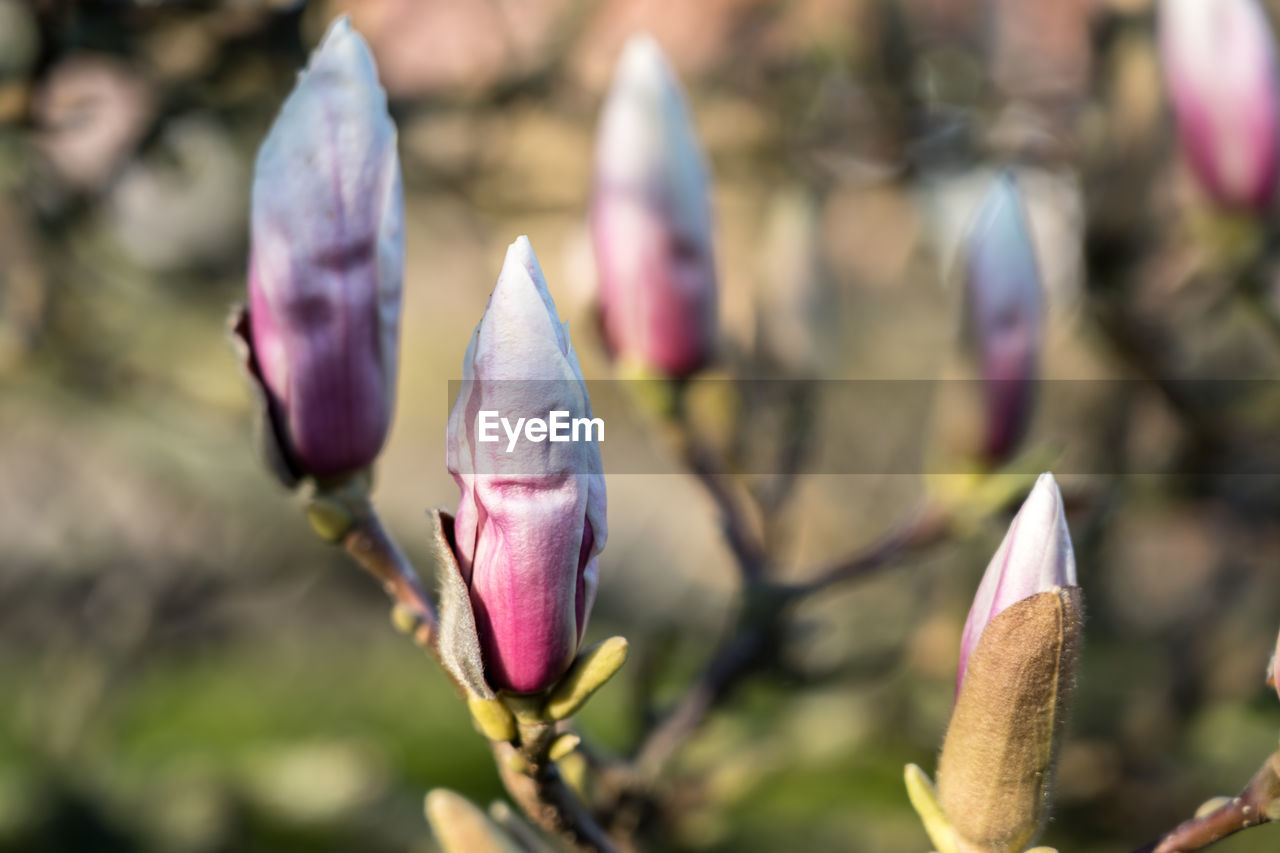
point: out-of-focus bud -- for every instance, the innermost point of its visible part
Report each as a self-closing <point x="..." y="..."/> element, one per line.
<point x="531" y="520"/>
<point x="461" y="827"/>
<point x="1219" y="62"/>
<point x="1017" y="670"/>
<point x="651" y="221"/>
<point x="1272" y="680"/>
<point x="1004" y="315"/>
<point x="89" y="114"/>
<point x="326" y="262"/>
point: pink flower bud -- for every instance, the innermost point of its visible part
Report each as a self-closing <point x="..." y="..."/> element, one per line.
<point x="531" y="520"/>
<point x="1219" y="64"/>
<point x="1035" y="557"/>
<point x="1004" y="315"/>
<point x="651" y="220"/>
<point x="1272" y="680"/>
<point x="1018" y="660"/>
<point x="326" y="261"/>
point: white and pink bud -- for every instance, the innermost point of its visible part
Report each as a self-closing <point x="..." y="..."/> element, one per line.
<point x="531" y="519"/>
<point x="651" y="220"/>
<point x="1018" y="657"/>
<point x="326" y="262"/>
<point x="1273" y="679"/>
<point x="1219" y="63"/>
<point x="1034" y="557"/>
<point x="1004" y="315"/>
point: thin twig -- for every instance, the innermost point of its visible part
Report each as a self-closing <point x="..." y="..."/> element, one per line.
<point x="369" y="544"/>
<point x="738" y="657"/>
<point x="705" y="464"/>
<point x="757" y="633"/>
<point x="738" y="530"/>
<point x="545" y="798"/>
<point x="927" y="526"/>
<point x="1249" y="809"/>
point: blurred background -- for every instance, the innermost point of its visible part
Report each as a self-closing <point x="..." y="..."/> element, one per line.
<point x="183" y="667"/>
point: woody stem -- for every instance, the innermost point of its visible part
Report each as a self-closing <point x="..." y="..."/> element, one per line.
<point x="1252" y="807"/>
<point x="369" y="544"/>
<point x="533" y="780"/>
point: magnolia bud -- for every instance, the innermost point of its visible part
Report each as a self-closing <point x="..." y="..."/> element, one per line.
<point x="461" y="827"/>
<point x="1017" y="668"/>
<point x="531" y="520"/>
<point x="1272" y="681"/>
<point x="1004" y="315"/>
<point x="326" y="262"/>
<point x="651" y="220"/>
<point x="1219" y="64"/>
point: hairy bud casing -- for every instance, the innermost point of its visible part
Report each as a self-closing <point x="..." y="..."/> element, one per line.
<point x="997" y="760"/>
<point x="1017" y="666"/>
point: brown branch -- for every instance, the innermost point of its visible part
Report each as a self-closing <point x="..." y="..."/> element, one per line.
<point x="737" y="657"/>
<point x="757" y="634"/>
<point x="739" y="532"/>
<point x="537" y="787"/>
<point x="927" y="526"/>
<point x="369" y="544"/>
<point x="1253" y="807"/>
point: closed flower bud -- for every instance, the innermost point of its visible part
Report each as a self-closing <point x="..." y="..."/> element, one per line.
<point x="531" y="520"/>
<point x="651" y="221"/>
<point x="1272" y="680"/>
<point x="326" y="262"/>
<point x="461" y="827"/>
<point x="1017" y="669"/>
<point x="1004" y="315"/>
<point x="1219" y="63"/>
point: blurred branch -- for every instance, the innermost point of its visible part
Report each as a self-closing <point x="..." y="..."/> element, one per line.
<point x="1256" y="285"/>
<point x="926" y="527"/>
<point x="795" y="443"/>
<point x="751" y="646"/>
<point x="757" y="635"/>
<point x="1254" y="806"/>
<point x="369" y="544"/>
<point x="706" y="465"/>
<point x="535" y="783"/>
<point x="740" y="655"/>
<point x="1263" y="309"/>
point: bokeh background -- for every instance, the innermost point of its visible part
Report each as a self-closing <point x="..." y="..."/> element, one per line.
<point x="184" y="668"/>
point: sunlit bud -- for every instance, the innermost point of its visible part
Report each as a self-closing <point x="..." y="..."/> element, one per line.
<point x="1272" y="680"/>
<point x="531" y="520"/>
<point x="651" y="220"/>
<point x="1035" y="556"/>
<point x="1017" y="672"/>
<point x="1004" y="315"/>
<point x="1219" y="63"/>
<point x="326" y="262"/>
<point x="461" y="827"/>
